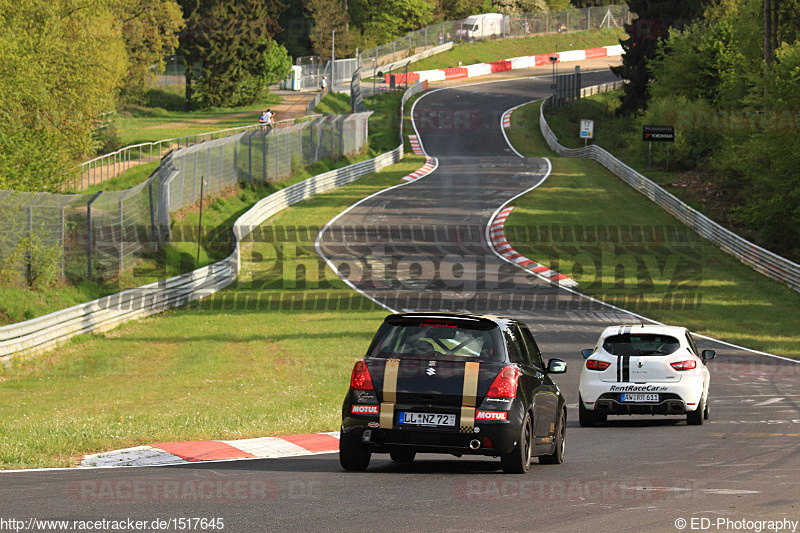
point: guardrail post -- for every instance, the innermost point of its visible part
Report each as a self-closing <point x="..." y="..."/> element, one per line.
<point x="89" y="233"/>
<point x="62" y="240"/>
<point x="121" y="234"/>
<point x="152" y="216"/>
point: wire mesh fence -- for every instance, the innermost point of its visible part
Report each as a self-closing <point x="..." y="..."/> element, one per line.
<point x="97" y="236"/>
<point x="511" y="26"/>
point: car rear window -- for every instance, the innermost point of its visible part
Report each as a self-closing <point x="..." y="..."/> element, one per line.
<point x="436" y="338"/>
<point x="640" y="344"/>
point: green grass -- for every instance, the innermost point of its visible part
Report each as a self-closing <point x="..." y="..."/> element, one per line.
<point x="618" y="135"/>
<point x="486" y="51"/>
<point x="736" y="303"/>
<point x="204" y="372"/>
<point x="130" y="178"/>
<point x="334" y="104"/>
<point x="167" y="119"/>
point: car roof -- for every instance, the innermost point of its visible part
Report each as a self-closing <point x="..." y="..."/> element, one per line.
<point x="677" y="331"/>
<point x="501" y="321"/>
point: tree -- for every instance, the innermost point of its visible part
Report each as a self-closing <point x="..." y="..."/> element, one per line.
<point x="328" y="16"/>
<point x="150" y="30"/>
<point x="460" y="9"/>
<point x="654" y="19"/>
<point x="224" y="43"/>
<point x="384" y="20"/>
<point x="62" y="63"/>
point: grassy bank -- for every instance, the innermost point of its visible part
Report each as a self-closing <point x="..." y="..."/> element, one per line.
<point x="495" y="50"/>
<point x="285" y="360"/>
<point x="685" y="281"/>
<point x="163" y="117"/>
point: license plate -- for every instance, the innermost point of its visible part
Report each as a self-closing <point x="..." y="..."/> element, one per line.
<point x="639" y="397"/>
<point x="427" y="419"/>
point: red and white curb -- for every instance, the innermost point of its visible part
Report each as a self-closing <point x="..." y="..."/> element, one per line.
<point x="431" y="164"/>
<point x="514" y="63"/>
<point x="416" y="147"/>
<point x="506" y="120"/>
<point x="497" y="235"/>
<point x="170" y="453"/>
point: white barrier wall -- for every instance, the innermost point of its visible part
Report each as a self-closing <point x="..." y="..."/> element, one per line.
<point x="760" y="259"/>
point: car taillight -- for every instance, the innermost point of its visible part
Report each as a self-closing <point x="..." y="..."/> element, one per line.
<point x="505" y="384"/>
<point x="684" y="365"/>
<point x="361" y="380"/>
<point x="594" y="364"/>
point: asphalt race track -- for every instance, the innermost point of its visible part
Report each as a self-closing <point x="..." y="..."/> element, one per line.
<point x="423" y="246"/>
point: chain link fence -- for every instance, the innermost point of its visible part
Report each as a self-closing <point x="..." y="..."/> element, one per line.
<point x="525" y="25"/>
<point x="97" y="236"/>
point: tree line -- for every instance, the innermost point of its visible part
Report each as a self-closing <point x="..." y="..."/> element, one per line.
<point x="67" y="63"/>
<point x="725" y="74"/>
<point x="308" y="25"/>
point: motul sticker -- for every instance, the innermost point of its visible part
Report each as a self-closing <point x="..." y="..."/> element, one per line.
<point x="365" y="410"/>
<point x="491" y="415"/>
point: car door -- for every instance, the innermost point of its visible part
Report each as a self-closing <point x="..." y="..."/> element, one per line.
<point x="545" y="398"/>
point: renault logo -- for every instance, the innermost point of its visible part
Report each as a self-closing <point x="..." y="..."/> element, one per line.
<point x="640" y="364"/>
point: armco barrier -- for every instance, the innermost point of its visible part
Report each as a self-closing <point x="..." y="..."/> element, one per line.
<point x="763" y="261"/>
<point x="99" y="315"/>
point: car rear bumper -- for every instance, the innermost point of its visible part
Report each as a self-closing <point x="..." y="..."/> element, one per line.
<point x="669" y="404"/>
<point x="492" y="439"/>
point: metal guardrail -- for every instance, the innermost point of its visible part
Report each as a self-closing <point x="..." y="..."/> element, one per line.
<point x="111" y="165"/>
<point x="768" y="263"/>
<point x="41" y="333"/>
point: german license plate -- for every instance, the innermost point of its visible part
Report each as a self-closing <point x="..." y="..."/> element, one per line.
<point x="426" y="419"/>
<point x="639" y="397"/>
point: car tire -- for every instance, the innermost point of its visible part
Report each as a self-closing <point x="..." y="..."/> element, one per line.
<point x="707" y="411"/>
<point x="587" y="418"/>
<point x="352" y="454"/>
<point x="519" y="460"/>
<point x="557" y="457"/>
<point x="402" y="456"/>
<point x="695" y="418"/>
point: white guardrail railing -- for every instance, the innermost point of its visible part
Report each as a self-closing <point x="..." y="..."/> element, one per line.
<point x="763" y="261"/>
<point x="105" y="313"/>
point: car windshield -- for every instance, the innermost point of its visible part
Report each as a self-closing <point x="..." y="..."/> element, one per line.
<point x="640" y="344"/>
<point x="436" y="338"/>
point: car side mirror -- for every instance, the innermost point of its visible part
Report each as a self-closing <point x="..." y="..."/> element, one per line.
<point x="556" y="366"/>
<point x="586" y="353"/>
<point x="708" y="355"/>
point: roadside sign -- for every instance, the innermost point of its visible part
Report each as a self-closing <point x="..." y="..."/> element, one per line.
<point x="587" y="129"/>
<point x="658" y="133"/>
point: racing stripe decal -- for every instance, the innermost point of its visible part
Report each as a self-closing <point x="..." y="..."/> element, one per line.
<point x="626" y="368"/>
<point x="469" y="396"/>
<point x="470" y="391"/>
<point x="619" y="368"/>
<point x="386" y="419"/>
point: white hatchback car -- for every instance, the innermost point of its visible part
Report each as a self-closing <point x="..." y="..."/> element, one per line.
<point x="644" y="370"/>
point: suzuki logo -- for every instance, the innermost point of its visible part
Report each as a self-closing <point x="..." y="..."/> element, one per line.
<point x="430" y="371"/>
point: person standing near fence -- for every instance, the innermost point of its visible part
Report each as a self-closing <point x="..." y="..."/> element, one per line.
<point x="324" y="84"/>
<point x="264" y="118"/>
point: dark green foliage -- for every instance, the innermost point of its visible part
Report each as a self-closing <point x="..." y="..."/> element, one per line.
<point x="654" y="20"/>
<point x="229" y="52"/>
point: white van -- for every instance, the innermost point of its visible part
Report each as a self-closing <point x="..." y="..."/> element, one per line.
<point x="477" y="27"/>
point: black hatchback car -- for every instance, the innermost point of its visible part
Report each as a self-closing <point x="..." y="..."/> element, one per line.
<point x="457" y="384"/>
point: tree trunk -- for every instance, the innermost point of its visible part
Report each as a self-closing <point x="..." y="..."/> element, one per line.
<point x="767" y="32"/>
<point x="774" y="26"/>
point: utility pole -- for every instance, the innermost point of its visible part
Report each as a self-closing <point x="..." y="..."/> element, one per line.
<point x="333" y="58"/>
